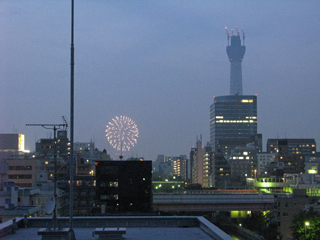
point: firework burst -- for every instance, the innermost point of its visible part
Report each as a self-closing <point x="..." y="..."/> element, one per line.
<point x="122" y="133"/>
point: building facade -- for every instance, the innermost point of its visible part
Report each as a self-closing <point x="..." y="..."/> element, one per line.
<point x="263" y="159"/>
<point x="285" y="209"/>
<point x="233" y="122"/>
<point x="12" y="145"/>
<point x="221" y="171"/>
<point x="46" y="146"/>
<point x="197" y="163"/>
<point x="305" y="147"/>
<point x="168" y="166"/>
<point x="123" y="186"/>
<point x="243" y="161"/>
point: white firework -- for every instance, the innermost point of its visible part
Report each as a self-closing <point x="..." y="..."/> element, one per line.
<point x="122" y="133"/>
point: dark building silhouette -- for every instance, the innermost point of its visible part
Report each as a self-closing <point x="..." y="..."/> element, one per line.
<point x="285" y="161"/>
<point x="222" y="170"/>
<point x="45" y="146"/>
<point x="124" y="186"/>
<point x="84" y="195"/>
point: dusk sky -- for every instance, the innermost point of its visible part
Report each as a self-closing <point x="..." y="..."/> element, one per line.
<point x="159" y="63"/>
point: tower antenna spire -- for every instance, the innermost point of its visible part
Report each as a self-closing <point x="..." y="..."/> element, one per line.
<point x="243" y="36"/>
<point x="228" y="35"/>
<point x="235" y="53"/>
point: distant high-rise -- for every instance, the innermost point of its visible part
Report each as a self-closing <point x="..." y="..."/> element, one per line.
<point x="233" y="121"/>
<point x="233" y="118"/>
<point x="235" y="53"/>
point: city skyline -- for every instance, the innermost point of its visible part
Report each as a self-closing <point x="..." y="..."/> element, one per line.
<point x="159" y="63"/>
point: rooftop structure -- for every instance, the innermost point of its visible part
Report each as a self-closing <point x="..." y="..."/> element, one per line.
<point x="153" y="227"/>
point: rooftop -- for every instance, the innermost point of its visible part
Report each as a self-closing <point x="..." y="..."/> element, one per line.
<point x="150" y="227"/>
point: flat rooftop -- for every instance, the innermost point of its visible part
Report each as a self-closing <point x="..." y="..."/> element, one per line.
<point x="152" y="227"/>
<point x="131" y="234"/>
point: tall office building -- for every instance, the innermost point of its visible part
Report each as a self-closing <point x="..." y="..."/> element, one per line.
<point x="233" y="118"/>
<point x="233" y="121"/>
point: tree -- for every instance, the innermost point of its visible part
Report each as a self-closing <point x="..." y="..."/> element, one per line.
<point x="306" y="225"/>
<point x="271" y="232"/>
<point x="255" y="222"/>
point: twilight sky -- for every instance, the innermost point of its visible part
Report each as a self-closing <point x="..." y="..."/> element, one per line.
<point x="160" y="63"/>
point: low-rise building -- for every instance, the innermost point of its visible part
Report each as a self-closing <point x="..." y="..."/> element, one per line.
<point x="243" y="162"/>
<point x="303" y="146"/>
<point x="263" y="159"/>
<point x="123" y="186"/>
<point x="286" y="206"/>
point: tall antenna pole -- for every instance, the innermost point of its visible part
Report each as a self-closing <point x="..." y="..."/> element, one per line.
<point x="54" y="222"/>
<point x="71" y="233"/>
<point x="121" y="157"/>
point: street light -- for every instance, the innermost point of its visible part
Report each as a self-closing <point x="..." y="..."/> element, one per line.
<point x="306" y="224"/>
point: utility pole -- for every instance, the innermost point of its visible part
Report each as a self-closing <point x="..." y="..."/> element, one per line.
<point x="71" y="232"/>
<point x="54" y="223"/>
